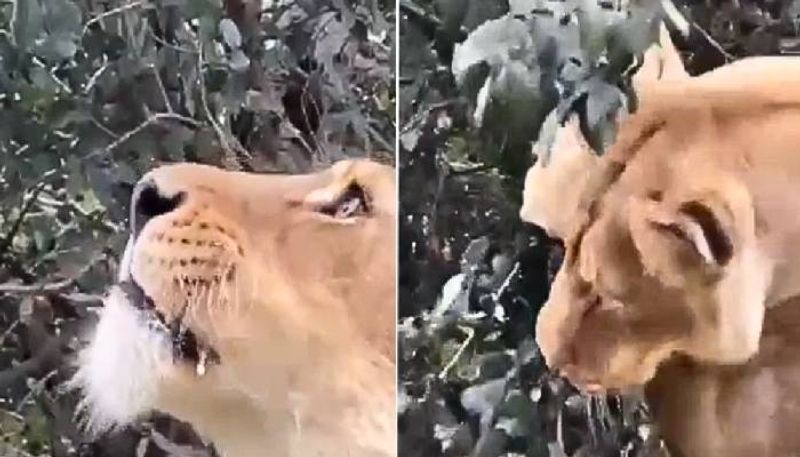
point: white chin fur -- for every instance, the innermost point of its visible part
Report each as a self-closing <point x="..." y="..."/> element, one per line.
<point x="120" y="369"/>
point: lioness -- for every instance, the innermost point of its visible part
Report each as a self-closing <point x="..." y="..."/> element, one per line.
<point x="682" y="262"/>
<point x="259" y="308"/>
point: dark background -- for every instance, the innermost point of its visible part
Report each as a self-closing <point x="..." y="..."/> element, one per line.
<point x="95" y="92"/>
<point x="472" y="382"/>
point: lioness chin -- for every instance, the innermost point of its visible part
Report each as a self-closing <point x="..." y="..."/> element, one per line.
<point x="259" y="308"/>
<point x="682" y="263"/>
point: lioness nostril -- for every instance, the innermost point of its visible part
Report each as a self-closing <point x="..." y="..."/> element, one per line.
<point x="148" y="203"/>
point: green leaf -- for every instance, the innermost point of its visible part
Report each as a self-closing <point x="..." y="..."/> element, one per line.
<point x="493" y="42"/>
<point x="239" y="61"/>
<point x="603" y="101"/>
<point x="230" y="33"/>
<point x="204" y="8"/>
<point x="62" y="17"/>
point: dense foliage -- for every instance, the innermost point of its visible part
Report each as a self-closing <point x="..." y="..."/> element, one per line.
<point x="480" y="82"/>
<point x="95" y="92"/>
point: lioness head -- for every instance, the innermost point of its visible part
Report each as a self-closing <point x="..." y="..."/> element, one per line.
<point x="260" y="308"/>
<point x="661" y="237"/>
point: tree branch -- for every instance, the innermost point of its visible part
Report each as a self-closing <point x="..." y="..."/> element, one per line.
<point x="161" y="88"/>
<point x="171" y="448"/>
<point x="470" y="335"/>
<point x="47" y="288"/>
<point x="8" y="239"/>
<point x="230" y="144"/>
<point x="153" y="119"/>
<point x="112" y="12"/>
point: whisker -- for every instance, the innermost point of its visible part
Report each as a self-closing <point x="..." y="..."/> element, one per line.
<point x="212" y="302"/>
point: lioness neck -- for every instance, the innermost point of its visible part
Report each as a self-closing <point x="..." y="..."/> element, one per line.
<point x="778" y="231"/>
<point x="770" y="169"/>
<point x="709" y="411"/>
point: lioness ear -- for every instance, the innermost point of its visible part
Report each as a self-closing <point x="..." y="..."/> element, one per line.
<point x="553" y="191"/>
<point x="661" y="62"/>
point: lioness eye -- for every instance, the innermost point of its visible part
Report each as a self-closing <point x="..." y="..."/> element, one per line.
<point x="351" y="203"/>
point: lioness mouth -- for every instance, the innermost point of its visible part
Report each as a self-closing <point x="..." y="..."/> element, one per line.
<point x="186" y="347"/>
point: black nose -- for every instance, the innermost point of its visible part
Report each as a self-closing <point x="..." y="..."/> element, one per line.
<point x="148" y="202"/>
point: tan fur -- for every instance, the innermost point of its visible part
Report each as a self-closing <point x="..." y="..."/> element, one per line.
<point x="300" y="307"/>
<point x="682" y="255"/>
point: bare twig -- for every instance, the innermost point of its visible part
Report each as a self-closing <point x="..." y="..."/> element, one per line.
<point x="8" y="239"/>
<point x="560" y="429"/>
<point x="33" y="289"/>
<point x="299" y="136"/>
<point x="713" y="43"/>
<point x="230" y="144"/>
<point x="161" y="88"/>
<point x="376" y="135"/>
<point x="480" y="168"/>
<point x="95" y="76"/>
<point x="8" y="331"/>
<point x="310" y="97"/>
<point x="506" y="282"/>
<point x="52" y="76"/>
<point x="151" y="120"/>
<point x="102" y="127"/>
<point x="470" y="335"/>
<point x="112" y="12"/>
<point x="166" y="44"/>
<point x="683" y="25"/>
<point x="675" y="17"/>
<point x="49" y="199"/>
<point x="416" y="12"/>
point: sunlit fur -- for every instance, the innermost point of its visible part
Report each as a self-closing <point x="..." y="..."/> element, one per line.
<point x="299" y="306"/>
<point x="649" y="293"/>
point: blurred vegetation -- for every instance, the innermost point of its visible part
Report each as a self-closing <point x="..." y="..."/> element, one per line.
<point x="95" y="92"/>
<point x="480" y="82"/>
